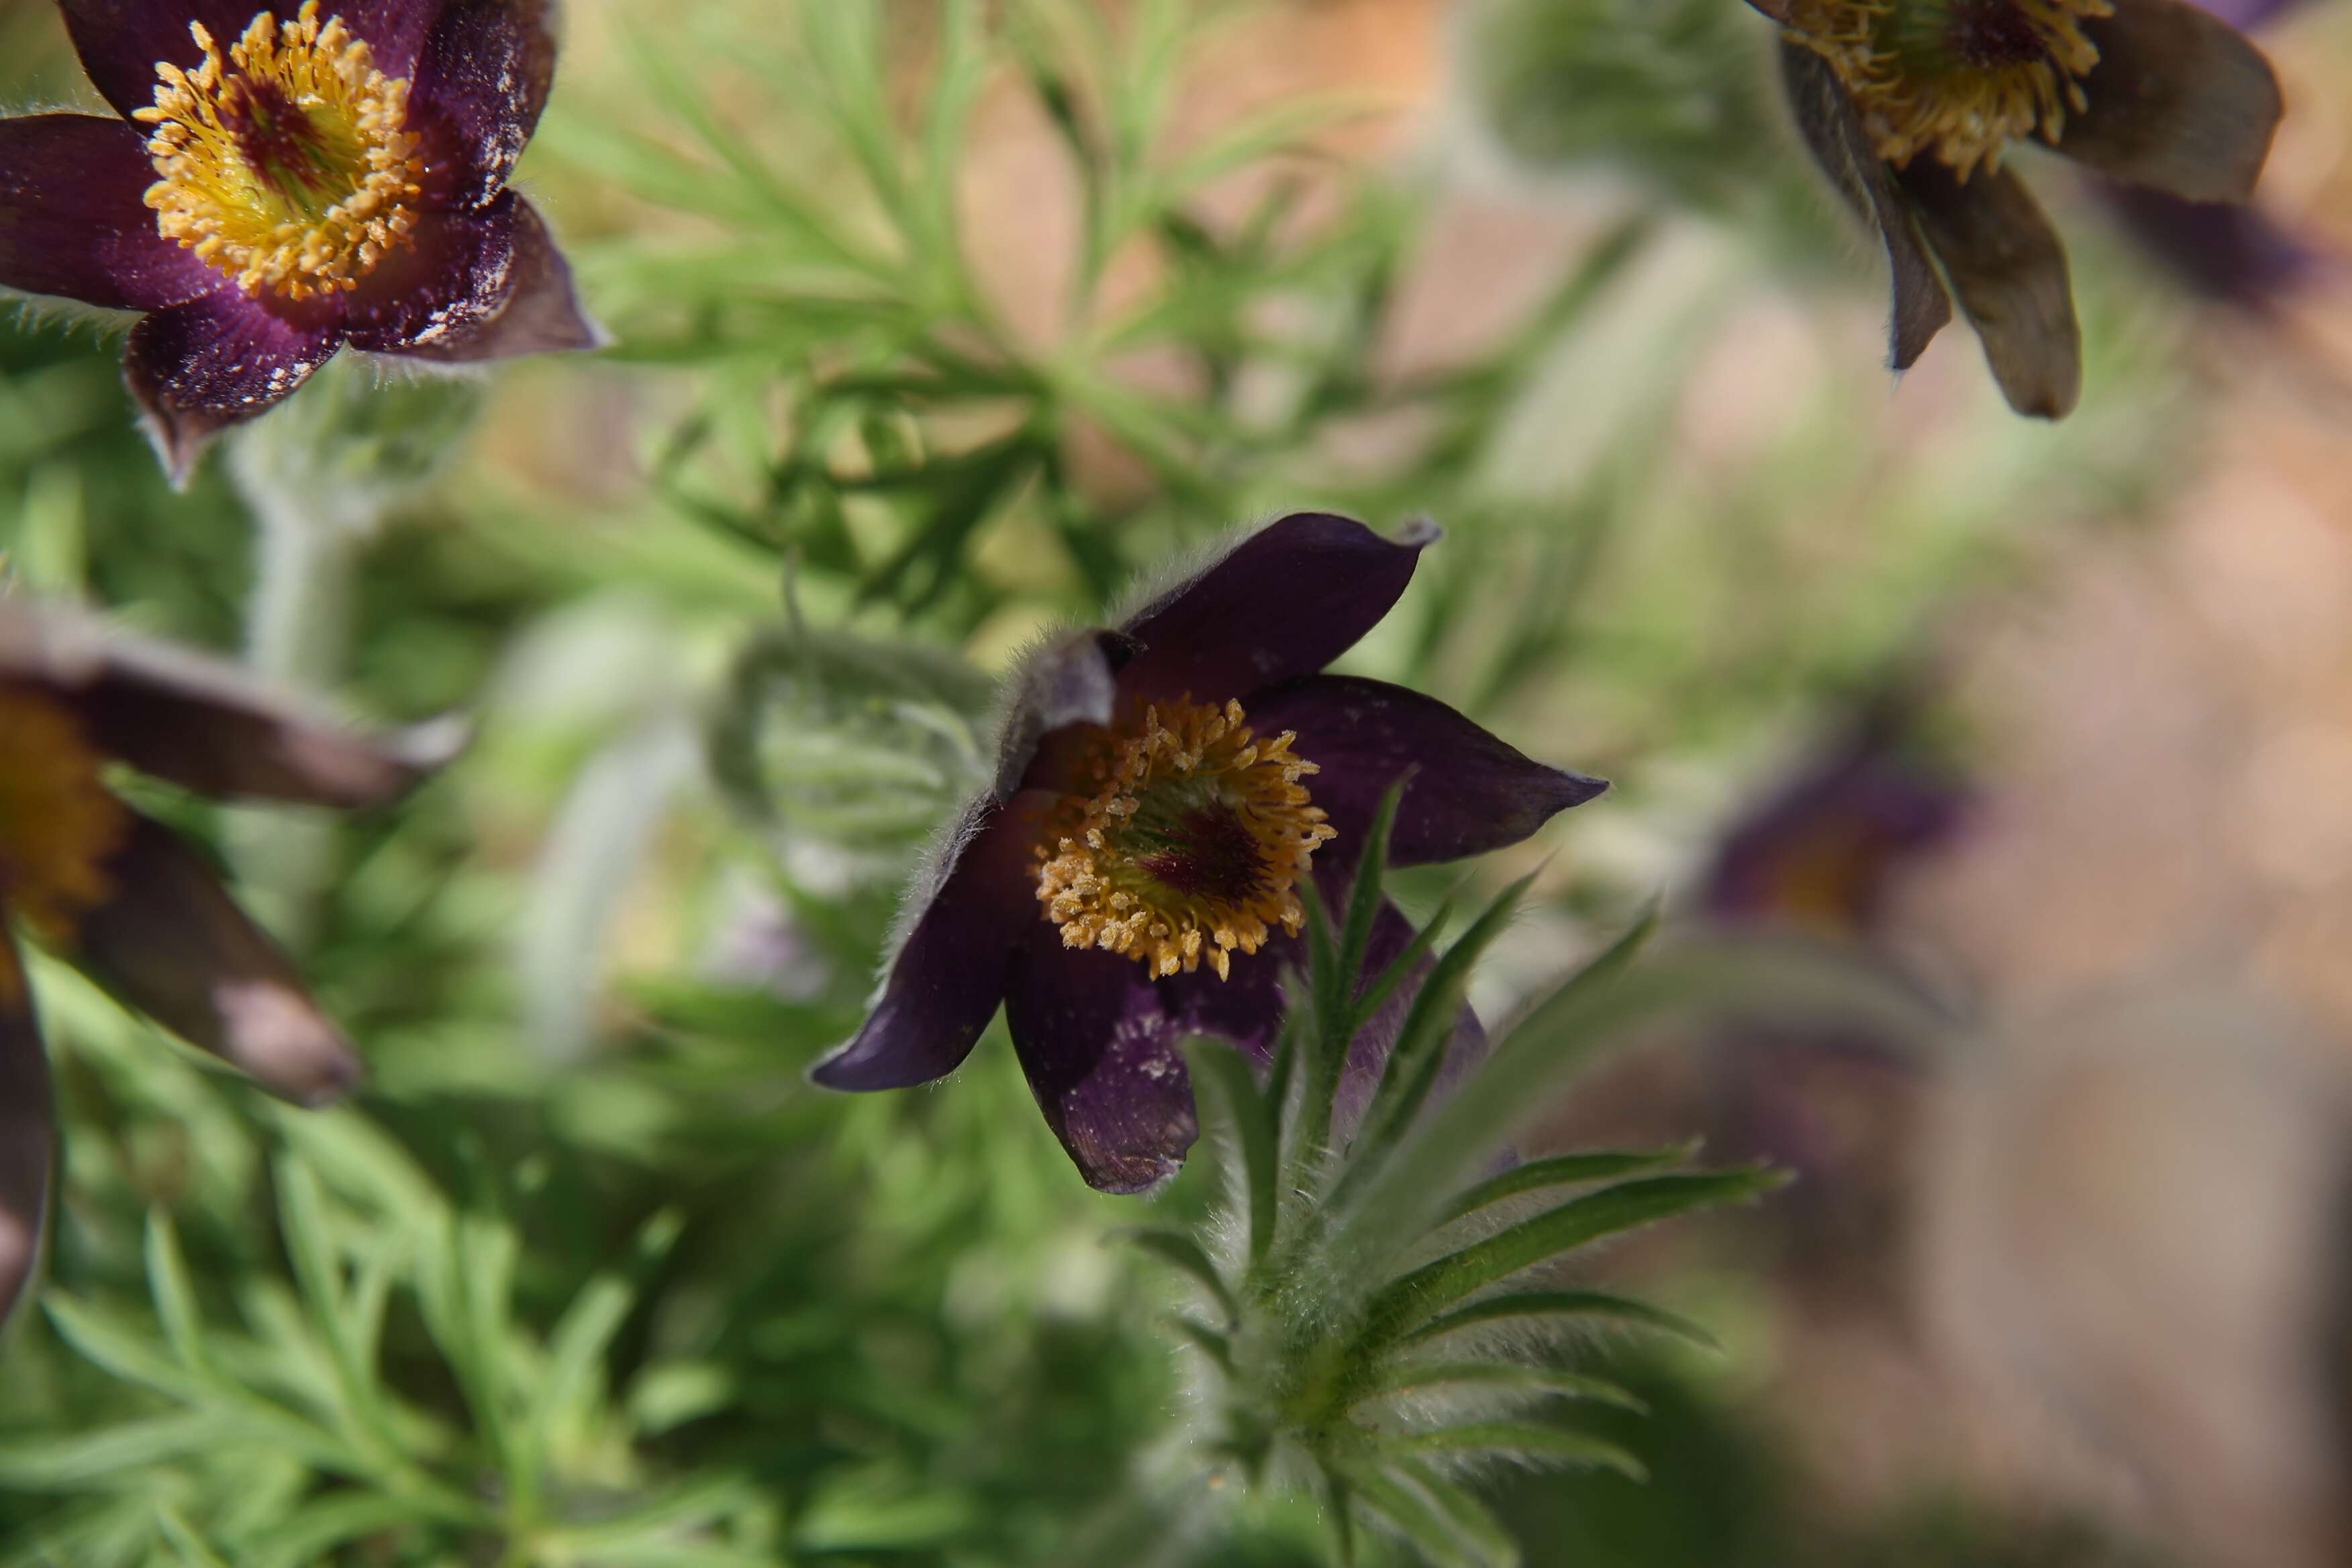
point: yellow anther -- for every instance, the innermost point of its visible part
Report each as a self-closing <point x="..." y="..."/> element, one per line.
<point x="286" y="165"/>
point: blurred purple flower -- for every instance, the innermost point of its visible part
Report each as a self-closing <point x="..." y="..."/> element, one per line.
<point x="1818" y="853"/>
<point x="274" y="190"/>
<point x="1908" y="106"/>
<point x="1132" y="878"/>
<point x="122" y="898"/>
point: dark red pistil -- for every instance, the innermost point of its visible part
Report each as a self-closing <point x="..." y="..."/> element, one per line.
<point x="1208" y="853"/>
<point x="1991" y="34"/>
<point x="278" y="141"/>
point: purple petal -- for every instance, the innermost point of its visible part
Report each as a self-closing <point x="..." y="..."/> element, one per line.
<point x="2232" y="254"/>
<point x="203" y="723"/>
<point x="479" y="87"/>
<point x="1286" y="601"/>
<point x="196" y="369"/>
<point x="2179" y="102"/>
<point x="949" y="974"/>
<point x="72" y="222"/>
<point x="1247" y="1009"/>
<point x="1824" y="848"/>
<point x="1101" y="1040"/>
<point x="27" y="1131"/>
<point x="1834" y="134"/>
<point x="1471" y="792"/>
<point x="478" y="286"/>
<point x="1071" y="682"/>
<point x="2008" y="270"/>
<point x="1100" y="1044"/>
<point x="2247" y="14"/>
<point x="168" y="941"/>
<point x="122" y="41"/>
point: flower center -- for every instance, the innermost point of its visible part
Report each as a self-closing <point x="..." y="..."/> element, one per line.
<point x="286" y="164"/>
<point x="57" y="823"/>
<point x="1190" y="848"/>
<point x="1962" y="79"/>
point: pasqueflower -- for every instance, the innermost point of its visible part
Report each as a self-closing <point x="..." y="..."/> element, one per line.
<point x="1909" y="105"/>
<point x="280" y="182"/>
<point x="121" y="897"/>
<point x="1136" y="876"/>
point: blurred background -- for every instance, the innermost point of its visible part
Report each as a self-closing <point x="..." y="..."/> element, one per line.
<point x="934" y="323"/>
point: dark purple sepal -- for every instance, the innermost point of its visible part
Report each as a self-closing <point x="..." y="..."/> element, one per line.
<point x="2178" y="101"/>
<point x="169" y="942"/>
<point x="198" y="368"/>
<point x="949" y="974"/>
<point x="2008" y="269"/>
<point x="120" y="41"/>
<point x="72" y="222"/>
<point x="1833" y="131"/>
<point x="27" y="1131"/>
<point x="1284" y="601"/>
<point x="205" y="724"/>
<point x="481" y="85"/>
<point x="1101" y="1043"/>
<point x="451" y="278"/>
<point x="1473" y="792"/>
<point x="510" y="295"/>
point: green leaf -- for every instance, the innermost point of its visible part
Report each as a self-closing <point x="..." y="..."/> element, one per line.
<point x="1215" y="1343"/>
<point x="1419" y="1055"/>
<point x="1563" y="1169"/>
<point x="173" y="1291"/>
<point x="1365" y="898"/>
<point x="1179" y="1248"/>
<point x="184" y="1540"/>
<point x="1473" y="1523"/>
<point x="1577" y="1222"/>
<point x="1413" y="1377"/>
<point x="1255" y="1133"/>
<point x="1609" y="1000"/>
<point x="576" y="1351"/>
<point x="1520" y="1440"/>
<point x="109" y="1456"/>
<point x="1425" y="1526"/>
<point x="309" y="1535"/>
<point x="1531" y="1304"/>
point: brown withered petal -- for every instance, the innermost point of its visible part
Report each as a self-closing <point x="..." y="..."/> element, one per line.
<point x="169" y="942"/>
<point x="2180" y="102"/>
<point x="27" y="1131"/>
<point x="1834" y="134"/>
<point x="201" y="722"/>
<point x="2007" y="266"/>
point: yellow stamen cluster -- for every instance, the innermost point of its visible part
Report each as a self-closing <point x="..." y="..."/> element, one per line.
<point x="57" y="823"/>
<point x="287" y="165"/>
<point x="1191" y="846"/>
<point x="1960" y="78"/>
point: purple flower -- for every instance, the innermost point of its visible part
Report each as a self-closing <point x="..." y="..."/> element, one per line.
<point x="124" y="899"/>
<point x="1819" y="852"/>
<point x="274" y="190"/>
<point x="1909" y="104"/>
<point x="1134" y="878"/>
